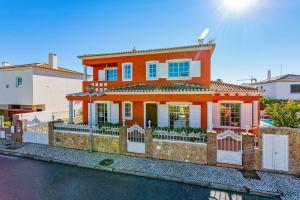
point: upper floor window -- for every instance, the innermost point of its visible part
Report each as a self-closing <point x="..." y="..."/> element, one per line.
<point x="127" y="71"/>
<point x="230" y="114"/>
<point x="151" y="70"/>
<point x="111" y="74"/>
<point x="19" y="81"/>
<point x="179" y="69"/>
<point x="295" y="88"/>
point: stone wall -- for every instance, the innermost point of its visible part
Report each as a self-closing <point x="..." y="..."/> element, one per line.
<point x="180" y="151"/>
<point x="293" y="145"/>
<point x="101" y="143"/>
<point x="107" y="144"/>
<point x="71" y="140"/>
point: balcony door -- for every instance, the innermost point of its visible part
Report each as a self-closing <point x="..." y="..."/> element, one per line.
<point x="102" y="113"/>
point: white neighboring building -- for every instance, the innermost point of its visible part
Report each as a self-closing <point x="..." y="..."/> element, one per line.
<point x="280" y="87"/>
<point x="37" y="87"/>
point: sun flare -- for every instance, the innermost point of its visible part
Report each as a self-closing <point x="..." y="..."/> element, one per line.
<point x="238" y="5"/>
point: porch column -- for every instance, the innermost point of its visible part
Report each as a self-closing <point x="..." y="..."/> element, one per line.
<point x="84" y="78"/>
<point x="209" y="116"/>
<point x="70" y="121"/>
<point x="255" y="113"/>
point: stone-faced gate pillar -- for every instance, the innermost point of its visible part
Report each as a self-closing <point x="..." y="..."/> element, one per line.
<point x="19" y="130"/>
<point x="148" y="143"/>
<point x="51" y="133"/>
<point x="123" y="140"/>
<point x="212" y="148"/>
<point x="248" y="151"/>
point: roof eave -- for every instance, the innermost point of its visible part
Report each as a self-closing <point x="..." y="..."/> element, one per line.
<point x="150" y="51"/>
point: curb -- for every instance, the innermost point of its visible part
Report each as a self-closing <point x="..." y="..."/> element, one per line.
<point x="147" y="175"/>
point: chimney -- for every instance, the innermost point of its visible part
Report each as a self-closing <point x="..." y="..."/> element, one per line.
<point x="5" y="64"/>
<point x="269" y="75"/>
<point x="53" y="60"/>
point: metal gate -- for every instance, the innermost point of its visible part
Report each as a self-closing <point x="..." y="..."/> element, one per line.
<point x="275" y="152"/>
<point x="229" y="148"/>
<point x="36" y="132"/>
<point x="136" y="139"/>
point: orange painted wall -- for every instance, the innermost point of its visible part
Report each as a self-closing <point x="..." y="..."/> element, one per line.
<point x="139" y="66"/>
<point x="138" y="104"/>
<point x="138" y="107"/>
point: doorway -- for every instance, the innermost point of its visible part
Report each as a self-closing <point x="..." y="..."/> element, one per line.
<point x="151" y="114"/>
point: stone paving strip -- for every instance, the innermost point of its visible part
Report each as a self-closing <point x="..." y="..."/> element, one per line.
<point x="288" y="187"/>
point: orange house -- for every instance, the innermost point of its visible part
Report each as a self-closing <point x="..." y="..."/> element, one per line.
<point x="169" y="87"/>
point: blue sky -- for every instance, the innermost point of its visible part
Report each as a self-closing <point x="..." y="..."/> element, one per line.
<point x="265" y="36"/>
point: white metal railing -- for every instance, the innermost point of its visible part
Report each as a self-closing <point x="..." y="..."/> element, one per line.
<point x="197" y="136"/>
<point x="81" y="128"/>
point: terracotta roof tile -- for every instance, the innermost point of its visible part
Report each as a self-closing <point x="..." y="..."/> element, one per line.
<point x="40" y="66"/>
<point x="159" y="88"/>
<point x="227" y="87"/>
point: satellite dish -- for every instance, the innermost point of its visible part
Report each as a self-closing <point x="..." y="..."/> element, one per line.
<point x="203" y="35"/>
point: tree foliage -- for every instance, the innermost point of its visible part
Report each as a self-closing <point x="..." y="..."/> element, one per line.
<point x="219" y="80"/>
<point x="284" y="114"/>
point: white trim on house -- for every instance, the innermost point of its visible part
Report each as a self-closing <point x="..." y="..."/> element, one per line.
<point x="195" y="116"/>
<point x="123" y="71"/>
<point x="147" y="70"/>
<point x="179" y="60"/>
<point x="155" y="51"/>
<point x="180" y="103"/>
<point x="123" y="110"/>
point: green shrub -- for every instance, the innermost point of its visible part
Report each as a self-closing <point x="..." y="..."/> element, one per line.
<point x="284" y="114"/>
<point x="7" y="123"/>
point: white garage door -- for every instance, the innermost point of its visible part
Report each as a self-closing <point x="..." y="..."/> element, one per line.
<point x="275" y="152"/>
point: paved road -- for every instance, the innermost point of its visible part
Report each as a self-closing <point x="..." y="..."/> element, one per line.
<point x="29" y="179"/>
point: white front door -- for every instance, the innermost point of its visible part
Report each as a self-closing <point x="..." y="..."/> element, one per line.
<point x="275" y="152"/>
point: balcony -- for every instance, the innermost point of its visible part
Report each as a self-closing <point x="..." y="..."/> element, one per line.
<point x="99" y="85"/>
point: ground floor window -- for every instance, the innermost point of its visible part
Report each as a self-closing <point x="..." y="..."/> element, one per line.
<point x="127" y="110"/>
<point x="230" y="114"/>
<point x="179" y="116"/>
<point x="102" y="113"/>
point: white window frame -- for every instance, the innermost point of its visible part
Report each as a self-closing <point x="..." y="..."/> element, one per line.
<point x="148" y="63"/>
<point x="177" y="61"/>
<point x="108" y="110"/>
<point x="131" y="110"/>
<point x="230" y="102"/>
<point x="111" y="68"/>
<point x="17" y="83"/>
<point x="123" y="71"/>
<point x="178" y="105"/>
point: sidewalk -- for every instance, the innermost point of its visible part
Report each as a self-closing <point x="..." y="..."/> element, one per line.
<point x="217" y="177"/>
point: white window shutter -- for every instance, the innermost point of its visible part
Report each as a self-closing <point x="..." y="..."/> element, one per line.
<point x="114" y="113"/>
<point x="216" y="115"/>
<point x="163" y="115"/>
<point x="195" y="68"/>
<point x="162" y="70"/>
<point x="101" y="75"/>
<point x="94" y="114"/>
<point x="195" y="116"/>
<point x="246" y="115"/>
